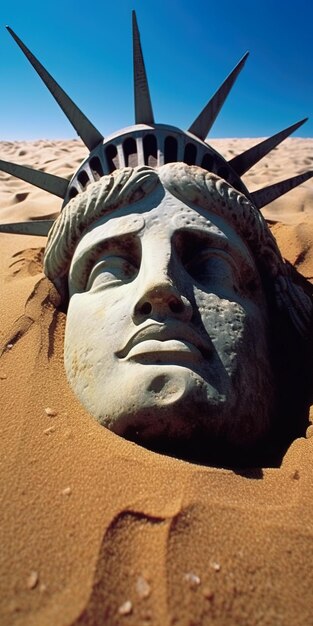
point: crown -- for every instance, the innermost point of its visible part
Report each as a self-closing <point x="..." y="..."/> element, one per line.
<point x="146" y="143"/>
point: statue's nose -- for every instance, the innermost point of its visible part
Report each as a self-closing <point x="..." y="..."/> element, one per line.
<point x="162" y="300"/>
<point x="161" y="291"/>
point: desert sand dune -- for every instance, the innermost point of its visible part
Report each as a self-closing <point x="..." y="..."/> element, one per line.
<point x="97" y="530"/>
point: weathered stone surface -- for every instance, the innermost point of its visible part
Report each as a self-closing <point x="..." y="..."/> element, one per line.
<point x="168" y="335"/>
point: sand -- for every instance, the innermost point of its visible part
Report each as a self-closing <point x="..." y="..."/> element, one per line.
<point x="96" y="530"/>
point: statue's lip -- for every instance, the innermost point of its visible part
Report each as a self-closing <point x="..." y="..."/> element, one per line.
<point x="173" y="330"/>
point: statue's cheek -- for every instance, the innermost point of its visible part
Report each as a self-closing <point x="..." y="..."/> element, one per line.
<point x="235" y="329"/>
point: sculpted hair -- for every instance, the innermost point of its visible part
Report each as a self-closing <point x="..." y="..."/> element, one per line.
<point x="189" y="184"/>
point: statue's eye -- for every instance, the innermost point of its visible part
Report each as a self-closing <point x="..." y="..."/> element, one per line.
<point x="211" y="265"/>
<point x="111" y="270"/>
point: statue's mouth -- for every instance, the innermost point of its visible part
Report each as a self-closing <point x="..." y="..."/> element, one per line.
<point x="173" y="338"/>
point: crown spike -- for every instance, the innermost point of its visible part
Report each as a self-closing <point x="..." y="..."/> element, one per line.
<point x="143" y="106"/>
<point x="49" y="182"/>
<point x="264" y="196"/>
<point x="38" y="228"/>
<point x="204" y="122"/>
<point x="84" y="128"/>
<point x="243" y="162"/>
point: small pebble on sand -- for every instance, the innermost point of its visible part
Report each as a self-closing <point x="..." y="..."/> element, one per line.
<point x="49" y="430"/>
<point x="32" y="580"/>
<point x="192" y="579"/>
<point x="295" y="475"/>
<point x="125" y="608"/>
<point x="3" y="376"/>
<point x="67" y="491"/>
<point x="142" y="587"/>
<point x="216" y="566"/>
<point x="50" y="412"/>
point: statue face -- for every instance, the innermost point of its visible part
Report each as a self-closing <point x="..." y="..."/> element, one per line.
<point x="166" y="335"/>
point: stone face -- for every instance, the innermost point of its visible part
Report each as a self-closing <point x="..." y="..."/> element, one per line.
<point x="166" y="335"/>
<point x="182" y="314"/>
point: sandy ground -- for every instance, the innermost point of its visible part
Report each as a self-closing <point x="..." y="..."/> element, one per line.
<point x="96" y="530"/>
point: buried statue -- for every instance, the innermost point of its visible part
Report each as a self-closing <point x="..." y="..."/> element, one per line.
<point x="186" y="331"/>
<point x="176" y="292"/>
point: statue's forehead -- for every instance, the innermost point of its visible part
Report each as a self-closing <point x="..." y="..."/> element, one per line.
<point x="168" y="214"/>
<point x="175" y="214"/>
<point x="152" y="217"/>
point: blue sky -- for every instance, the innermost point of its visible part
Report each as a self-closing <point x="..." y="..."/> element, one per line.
<point x="189" y="48"/>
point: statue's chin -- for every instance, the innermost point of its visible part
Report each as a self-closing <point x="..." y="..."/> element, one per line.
<point x="170" y="403"/>
<point x="164" y="407"/>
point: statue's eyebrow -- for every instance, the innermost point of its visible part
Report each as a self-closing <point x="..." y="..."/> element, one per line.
<point x="102" y="234"/>
<point x="206" y="233"/>
<point x="122" y="241"/>
<point x="214" y="237"/>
